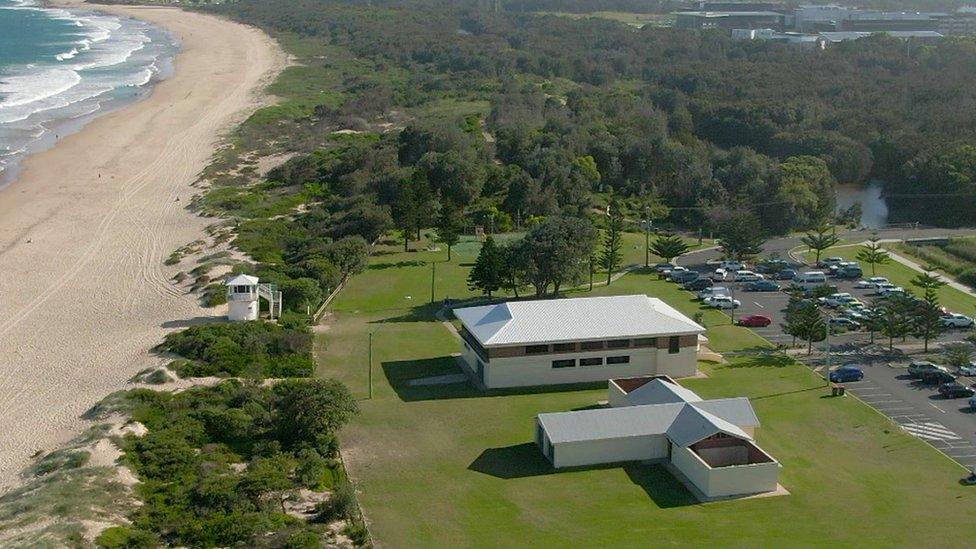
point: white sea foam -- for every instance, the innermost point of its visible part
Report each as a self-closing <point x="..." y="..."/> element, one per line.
<point x="19" y="90"/>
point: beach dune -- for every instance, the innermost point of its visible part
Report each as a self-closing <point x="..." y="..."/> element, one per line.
<point x="85" y="229"/>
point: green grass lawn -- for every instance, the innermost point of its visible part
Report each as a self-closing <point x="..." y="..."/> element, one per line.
<point x="901" y="275"/>
<point x="448" y="466"/>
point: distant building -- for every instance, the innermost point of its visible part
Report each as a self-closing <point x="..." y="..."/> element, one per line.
<point x="730" y="20"/>
<point x="709" y="444"/>
<point x="921" y="37"/>
<point x="732" y="5"/>
<point x="561" y="341"/>
<point x="795" y="38"/>
<point x="868" y="21"/>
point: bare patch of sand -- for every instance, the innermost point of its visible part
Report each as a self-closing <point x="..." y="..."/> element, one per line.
<point x="85" y="230"/>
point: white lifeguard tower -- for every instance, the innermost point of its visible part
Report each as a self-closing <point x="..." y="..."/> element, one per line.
<point x="244" y="294"/>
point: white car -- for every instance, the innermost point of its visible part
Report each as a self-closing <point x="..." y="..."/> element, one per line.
<point x="871" y="283"/>
<point x="838" y="299"/>
<point x="719" y="274"/>
<point x="886" y="291"/>
<point x="747" y="276"/>
<point x="730" y="265"/>
<point x="826" y="262"/>
<point x="724" y="302"/>
<point x="708" y="293"/>
<point x="956" y="320"/>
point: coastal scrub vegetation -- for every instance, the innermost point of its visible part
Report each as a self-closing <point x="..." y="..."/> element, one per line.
<point x="242" y="349"/>
<point x="237" y="463"/>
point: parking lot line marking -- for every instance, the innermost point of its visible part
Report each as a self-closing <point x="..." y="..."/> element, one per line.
<point x="937" y="408"/>
<point x="881" y="401"/>
<point x="760" y="305"/>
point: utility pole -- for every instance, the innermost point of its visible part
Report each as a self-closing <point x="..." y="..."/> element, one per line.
<point x="370" y="371"/>
<point x="827" y="342"/>
<point x="647" y="236"/>
<point x="433" y="275"/>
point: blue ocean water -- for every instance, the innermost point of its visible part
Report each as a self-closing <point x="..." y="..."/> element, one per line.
<point x="59" y="68"/>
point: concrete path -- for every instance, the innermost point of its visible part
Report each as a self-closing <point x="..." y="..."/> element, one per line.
<point x="952" y="283"/>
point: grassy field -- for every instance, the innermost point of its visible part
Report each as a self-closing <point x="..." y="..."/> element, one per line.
<point x="449" y="466"/>
<point x="901" y="275"/>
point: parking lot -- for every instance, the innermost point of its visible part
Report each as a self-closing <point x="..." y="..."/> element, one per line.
<point x="947" y="424"/>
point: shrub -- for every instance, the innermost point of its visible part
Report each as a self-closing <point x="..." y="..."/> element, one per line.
<point x="123" y="537"/>
<point x="340" y="505"/>
<point x="968" y="277"/>
<point x="157" y="377"/>
<point x="252" y="349"/>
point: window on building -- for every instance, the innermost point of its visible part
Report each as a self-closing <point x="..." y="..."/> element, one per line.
<point x="568" y="363"/>
<point x="563" y="347"/>
<point x="618" y="344"/>
<point x="536" y="349"/>
<point x="241" y="289"/>
<point x="674" y="344"/>
<point x="594" y="361"/>
<point x="618" y="360"/>
<point x="591" y="345"/>
<point x="645" y="342"/>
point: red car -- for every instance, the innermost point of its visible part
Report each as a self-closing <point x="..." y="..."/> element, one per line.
<point x="755" y="321"/>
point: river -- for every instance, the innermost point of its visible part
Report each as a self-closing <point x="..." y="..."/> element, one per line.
<point x="874" y="211"/>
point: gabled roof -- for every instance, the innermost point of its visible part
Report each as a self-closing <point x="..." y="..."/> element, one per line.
<point x="693" y="424"/>
<point x="630" y="421"/>
<point x="242" y="280"/>
<point x="658" y="407"/>
<point x="560" y="320"/>
<point x="659" y="391"/>
<point x="737" y="411"/>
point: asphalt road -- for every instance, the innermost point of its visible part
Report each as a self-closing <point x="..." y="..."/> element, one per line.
<point x="947" y="424"/>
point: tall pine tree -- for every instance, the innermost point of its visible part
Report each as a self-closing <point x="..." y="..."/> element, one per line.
<point x="489" y="269"/>
<point x="611" y="255"/>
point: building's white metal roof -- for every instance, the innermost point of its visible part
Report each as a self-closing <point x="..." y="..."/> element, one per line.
<point x="580" y="319"/>
<point x="676" y="412"/>
<point x="242" y="280"/>
<point x="737" y="411"/>
<point x="659" y="391"/>
<point x="693" y="424"/>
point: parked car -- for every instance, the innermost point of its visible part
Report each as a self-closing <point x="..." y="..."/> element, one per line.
<point x="919" y="367"/>
<point x="762" y="286"/>
<point x="698" y="284"/>
<point x="972" y="403"/>
<point x="871" y="283"/>
<point x="661" y="267"/>
<point x="809" y="280"/>
<point x="841" y="299"/>
<point x="683" y="277"/>
<point x="826" y="262"/>
<point x="968" y="370"/>
<point x="938" y="378"/>
<point x="713" y="291"/>
<point x="755" y="321"/>
<point x="956" y="390"/>
<point x="849" y="271"/>
<point x="785" y="274"/>
<point x="888" y="292"/>
<point x="846" y="373"/>
<point x="731" y="265"/>
<point x="956" y="320"/>
<point x="719" y="274"/>
<point x="724" y="302"/>
<point x="843" y="322"/>
<point x="770" y="266"/>
<point x="747" y="276"/>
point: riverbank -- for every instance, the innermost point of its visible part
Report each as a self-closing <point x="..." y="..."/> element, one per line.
<point x="86" y="227"/>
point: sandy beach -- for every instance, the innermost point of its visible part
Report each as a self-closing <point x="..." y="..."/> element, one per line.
<point x="84" y="231"/>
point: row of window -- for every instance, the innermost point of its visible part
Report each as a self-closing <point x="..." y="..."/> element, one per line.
<point x="591" y="361"/>
<point x="674" y="345"/>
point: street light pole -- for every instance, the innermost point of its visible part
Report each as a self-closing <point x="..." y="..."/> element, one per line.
<point x="827" y="360"/>
<point x="370" y="375"/>
<point x="647" y="237"/>
<point x="433" y="275"/>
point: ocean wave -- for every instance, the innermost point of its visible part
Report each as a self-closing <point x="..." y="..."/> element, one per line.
<point x="19" y="90"/>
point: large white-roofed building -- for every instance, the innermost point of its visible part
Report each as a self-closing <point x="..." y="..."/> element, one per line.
<point x="709" y="442"/>
<point x="525" y="343"/>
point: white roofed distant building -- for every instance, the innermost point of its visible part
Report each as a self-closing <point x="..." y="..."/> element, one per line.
<point x="544" y="342"/>
<point x="709" y="442"/>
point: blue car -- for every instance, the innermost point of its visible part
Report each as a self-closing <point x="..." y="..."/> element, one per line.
<point x="762" y="286"/>
<point x="847" y="373"/>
